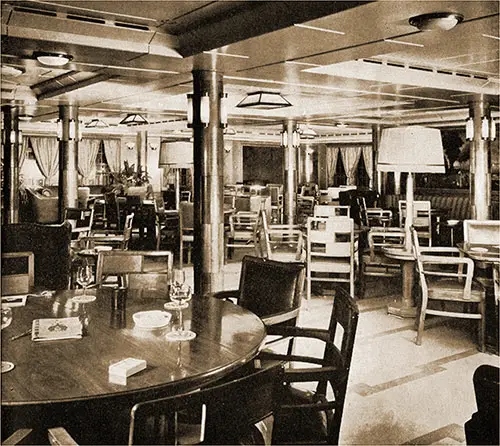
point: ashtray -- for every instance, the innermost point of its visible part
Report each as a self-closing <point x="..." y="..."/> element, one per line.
<point x="152" y="319"/>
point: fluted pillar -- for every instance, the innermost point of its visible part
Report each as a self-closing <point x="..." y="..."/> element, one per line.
<point x="68" y="156"/>
<point x="480" y="176"/>
<point x="376" y="175"/>
<point x="208" y="157"/>
<point x="290" y="174"/>
<point x="12" y="141"/>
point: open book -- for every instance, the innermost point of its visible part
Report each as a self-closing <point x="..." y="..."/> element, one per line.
<point x="52" y="329"/>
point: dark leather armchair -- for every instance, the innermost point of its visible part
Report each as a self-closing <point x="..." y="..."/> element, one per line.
<point x="51" y="246"/>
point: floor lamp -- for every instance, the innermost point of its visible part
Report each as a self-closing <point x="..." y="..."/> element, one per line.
<point x="176" y="155"/>
<point x="413" y="149"/>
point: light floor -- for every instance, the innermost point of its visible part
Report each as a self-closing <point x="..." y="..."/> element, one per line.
<point x="400" y="393"/>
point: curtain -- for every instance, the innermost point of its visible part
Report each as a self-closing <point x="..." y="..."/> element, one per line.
<point x="112" y="152"/>
<point x="23" y="150"/>
<point x="87" y="154"/>
<point x="350" y="158"/>
<point x="332" y="154"/>
<point x="46" y="150"/>
<point x="368" y="159"/>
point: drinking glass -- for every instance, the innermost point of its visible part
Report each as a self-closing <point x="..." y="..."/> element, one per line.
<point x="180" y="297"/>
<point x="84" y="278"/>
<point x="6" y="321"/>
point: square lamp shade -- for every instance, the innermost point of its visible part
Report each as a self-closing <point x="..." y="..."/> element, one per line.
<point x="176" y="154"/>
<point x="413" y="149"/>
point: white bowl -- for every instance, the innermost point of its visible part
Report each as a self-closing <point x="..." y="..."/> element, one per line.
<point x="152" y="319"/>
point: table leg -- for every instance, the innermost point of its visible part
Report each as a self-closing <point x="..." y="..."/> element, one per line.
<point x="405" y="308"/>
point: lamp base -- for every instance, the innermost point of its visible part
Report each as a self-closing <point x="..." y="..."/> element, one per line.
<point x="401" y="310"/>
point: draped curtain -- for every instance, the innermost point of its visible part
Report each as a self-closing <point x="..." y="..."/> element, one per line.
<point x="23" y="150"/>
<point x="368" y="159"/>
<point x="46" y="150"/>
<point x="350" y="158"/>
<point x="112" y="152"/>
<point x="332" y="154"/>
<point x="87" y="154"/>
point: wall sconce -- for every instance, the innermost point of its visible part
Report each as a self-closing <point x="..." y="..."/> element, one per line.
<point x="488" y="129"/>
<point x="190" y="110"/>
<point x="205" y="109"/>
<point x="130" y="146"/>
<point x="295" y="139"/>
<point x="153" y="147"/>
<point x="74" y="135"/>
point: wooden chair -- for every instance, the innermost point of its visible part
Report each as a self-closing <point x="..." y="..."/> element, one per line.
<point x="18" y="273"/>
<point x="227" y="412"/>
<point x="81" y="221"/>
<point x="269" y="288"/>
<point x="278" y="242"/>
<point x="113" y="239"/>
<point x="379" y="217"/>
<point x="448" y="285"/>
<point x="373" y="261"/>
<point x="276" y="194"/>
<point x="242" y="225"/>
<point x="137" y="270"/>
<point x="186" y="218"/>
<point x="330" y="251"/>
<point x="422" y="221"/>
<point x="321" y="210"/>
<point x="315" y="417"/>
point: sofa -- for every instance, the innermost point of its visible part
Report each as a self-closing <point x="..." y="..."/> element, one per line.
<point x="43" y="204"/>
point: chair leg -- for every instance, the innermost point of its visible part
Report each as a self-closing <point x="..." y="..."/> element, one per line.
<point x="421" y="321"/>
<point x="482" y="326"/>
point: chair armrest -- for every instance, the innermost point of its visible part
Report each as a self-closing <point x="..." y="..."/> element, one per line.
<point x="317" y="333"/>
<point x="58" y="436"/>
<point x="448" y="260"/>
<point x="18" y="437"/>
<point x="226" y="294"/>
<point x="439" y="249"/>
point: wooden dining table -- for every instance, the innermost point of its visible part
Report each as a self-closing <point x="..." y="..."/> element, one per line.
<point x="66" y="382"/>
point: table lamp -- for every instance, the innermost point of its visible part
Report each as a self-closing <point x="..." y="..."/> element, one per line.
<point x="412" y="149"/>
<point x="176" y="155"/>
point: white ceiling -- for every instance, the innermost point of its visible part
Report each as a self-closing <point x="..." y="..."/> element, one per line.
<point x="352" y="75"/>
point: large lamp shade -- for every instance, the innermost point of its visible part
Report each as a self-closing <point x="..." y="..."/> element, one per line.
<point x="413" y="149"/>
<point x="176" y="154"/>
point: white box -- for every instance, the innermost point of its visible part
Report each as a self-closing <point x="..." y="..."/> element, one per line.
<point x="120" y="371"/>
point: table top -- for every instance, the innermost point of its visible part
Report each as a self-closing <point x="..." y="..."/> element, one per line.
<point x="77" y="369"/>
<point x="481" y="252"/>
<point x="398" y="253"/>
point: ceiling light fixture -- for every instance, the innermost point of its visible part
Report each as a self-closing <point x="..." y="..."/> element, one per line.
<point x="316" y="28"/>
<point x="400" y="42"/>
<point x="436" y="21"/>
<point x="307" y="132"/>
<point x="96" y="124"/>
<point x="52" y="59"/>
<point x="134" y="119"/>
<point x="264" y="100"/>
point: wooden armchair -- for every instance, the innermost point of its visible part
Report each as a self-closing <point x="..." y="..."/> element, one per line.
<point x="18" y="273"/>
<point x="315" y="417"/>
<point x="444" y="281"/>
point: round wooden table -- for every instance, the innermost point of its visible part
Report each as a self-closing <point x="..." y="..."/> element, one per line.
<point x="66" y="382"/>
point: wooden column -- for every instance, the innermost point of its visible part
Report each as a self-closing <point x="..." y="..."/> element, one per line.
<point x="11" y="164"/>
<point x="68" y="158"/>
<point x="376" y="175"/>
<point x="208" y="156"/>
<point x="480" y="176"/>
<point x="290" y="175"/>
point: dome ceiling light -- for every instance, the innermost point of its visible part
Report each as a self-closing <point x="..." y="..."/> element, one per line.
<point x="52" y="59"/>
<point x="264" y="100"/>
<point x="436" y="21"/>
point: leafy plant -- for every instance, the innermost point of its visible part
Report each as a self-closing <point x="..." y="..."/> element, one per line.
<point x="130" y="176"/>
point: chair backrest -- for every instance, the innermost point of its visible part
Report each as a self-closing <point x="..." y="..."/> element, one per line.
<point x="483" y="232"/>
<point x="18" y="275"/>
<point x="227" y="411"/>
<point x="276" y="194"/>
<point x="271" y="288"/>
<point x="50" y="245"/>
<point x="330" y="237"/>
<point x="321" y="210"/>
<point x="113" y="211"/>
<point x="81" y="221"/>
<point x="186" y="213"/>
<point x="185" y="195"/>
<point x="151" y="270"/>
<point x="309" y="190"/>
<point x="127" y="230"/>
<point x="421" y="214"/>
<point x="345" y="314"/>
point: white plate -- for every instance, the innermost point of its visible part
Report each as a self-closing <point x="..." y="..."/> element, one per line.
<point x="152" y="319"/>
<point x="479" y="249"/>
